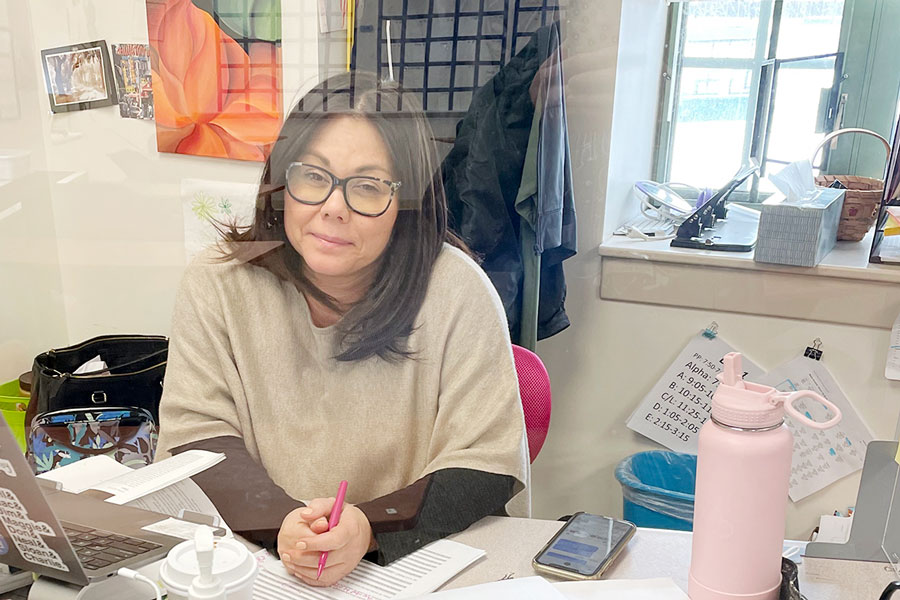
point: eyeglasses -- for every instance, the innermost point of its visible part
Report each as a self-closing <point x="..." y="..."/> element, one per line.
<point x="367" y="196"/>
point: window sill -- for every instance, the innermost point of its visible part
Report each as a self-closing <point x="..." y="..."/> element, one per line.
<point x="845" y="288"/>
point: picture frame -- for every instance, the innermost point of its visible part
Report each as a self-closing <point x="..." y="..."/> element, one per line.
<point x="79" y="76"/>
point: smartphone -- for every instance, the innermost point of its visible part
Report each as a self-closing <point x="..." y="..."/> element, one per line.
<point x="585" y="547"/>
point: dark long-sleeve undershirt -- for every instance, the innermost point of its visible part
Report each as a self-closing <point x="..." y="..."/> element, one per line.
<point x="437" y="505"/>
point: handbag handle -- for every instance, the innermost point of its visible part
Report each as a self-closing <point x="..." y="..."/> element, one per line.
<point x="128" y="364"/>
<point x="108" y="368"/>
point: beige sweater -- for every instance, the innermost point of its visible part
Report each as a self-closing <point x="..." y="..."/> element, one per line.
<point x="245" y="360"/>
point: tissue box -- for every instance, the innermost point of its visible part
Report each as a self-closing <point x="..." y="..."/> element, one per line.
<point x="799" y="232"/>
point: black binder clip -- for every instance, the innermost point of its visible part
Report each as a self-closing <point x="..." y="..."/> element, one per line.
<point x="712" y="331"/>
<point x="815" y="351"/>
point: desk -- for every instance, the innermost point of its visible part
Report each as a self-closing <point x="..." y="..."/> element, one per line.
<point x="511" y="543"/>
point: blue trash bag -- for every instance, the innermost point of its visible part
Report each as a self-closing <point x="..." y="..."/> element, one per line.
<point x="658" y="489"/>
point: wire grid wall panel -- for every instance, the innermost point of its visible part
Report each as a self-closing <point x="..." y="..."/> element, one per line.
<point x="264" y="55"/>
<point x="528" y="17"/>
<point x="443" y="50"/>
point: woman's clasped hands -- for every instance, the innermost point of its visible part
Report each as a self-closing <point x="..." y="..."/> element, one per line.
<point x="304" y="535"/>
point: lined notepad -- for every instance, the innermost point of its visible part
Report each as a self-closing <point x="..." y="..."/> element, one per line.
<point x="419" y="573"/>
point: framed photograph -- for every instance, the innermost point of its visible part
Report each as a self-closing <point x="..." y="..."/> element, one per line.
<point x="78" y="76"/>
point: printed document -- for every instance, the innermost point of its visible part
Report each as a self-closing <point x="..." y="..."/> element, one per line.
<point x="418" y="573"/>
<point x="820" y="457"/>
<point x="679" y="404"/>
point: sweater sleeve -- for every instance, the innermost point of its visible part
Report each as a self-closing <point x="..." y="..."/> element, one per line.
<point x="439" y="504"/>
<point x="202" y="383"/>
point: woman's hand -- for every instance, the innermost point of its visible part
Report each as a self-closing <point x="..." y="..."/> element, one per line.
<point x="304" y="536"/>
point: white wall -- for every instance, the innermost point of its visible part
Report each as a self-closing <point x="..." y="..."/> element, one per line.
<point x="613" y="353"/>
<point x="32" y="318"/>
<point x="113" y="208"/>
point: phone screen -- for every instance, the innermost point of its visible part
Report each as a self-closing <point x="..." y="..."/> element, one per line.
<point x="584" y="543"/>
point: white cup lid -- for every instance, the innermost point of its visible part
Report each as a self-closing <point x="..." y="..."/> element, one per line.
<point x="233" y="564"/>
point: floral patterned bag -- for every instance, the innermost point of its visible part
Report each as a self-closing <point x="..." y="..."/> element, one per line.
<point x="58" y="438"/>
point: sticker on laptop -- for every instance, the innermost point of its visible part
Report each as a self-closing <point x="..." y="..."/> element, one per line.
<point x="26" y="534"/>
<point x="6" y="467"/>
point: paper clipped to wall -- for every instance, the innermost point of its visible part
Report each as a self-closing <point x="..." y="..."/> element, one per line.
<point x="820" y="457"/>
<point x="206" y="203"/>
<point x="679" y="403"/>
<point x="892" y="368"/>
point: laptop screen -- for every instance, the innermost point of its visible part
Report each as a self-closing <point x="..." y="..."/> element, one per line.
<point x="31" y="538"/>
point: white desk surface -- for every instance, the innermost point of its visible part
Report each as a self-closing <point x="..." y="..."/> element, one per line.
<point x="511" y="543"/>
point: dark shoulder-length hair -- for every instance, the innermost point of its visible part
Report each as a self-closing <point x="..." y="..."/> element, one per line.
<point x="382" y="321"/>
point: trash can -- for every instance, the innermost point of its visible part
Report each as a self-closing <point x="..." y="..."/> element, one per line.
<point x="658" y="489"/>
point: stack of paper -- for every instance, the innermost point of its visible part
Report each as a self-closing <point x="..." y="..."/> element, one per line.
<point x="418" y="573"/>
<point x="164" y="487"/>
<point x="527" y="588"/>
<point x="622" y="589"/>
<point x="537" y="588"/>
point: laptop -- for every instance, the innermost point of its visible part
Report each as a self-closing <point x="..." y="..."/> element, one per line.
<point x="73" y="537"/>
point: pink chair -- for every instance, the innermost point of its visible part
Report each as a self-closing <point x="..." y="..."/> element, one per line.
<point x="534" y="389"/>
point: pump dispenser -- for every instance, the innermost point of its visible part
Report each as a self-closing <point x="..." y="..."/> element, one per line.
<point x="741" y="495"/>
<point x="205" y="586"/>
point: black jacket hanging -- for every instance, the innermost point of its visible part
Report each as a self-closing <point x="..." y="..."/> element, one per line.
<point x="484" y="170"/>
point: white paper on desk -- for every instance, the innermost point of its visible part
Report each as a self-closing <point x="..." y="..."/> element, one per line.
<point x="143" y="481"/>
<point x="175" y="528"/>
<point x="418" y="573"/>
<point x="526" y="588"/>
<point x="622" y="589"/>
<point x="86" y="473"/>
<point x="820" y="457"/>
<point x="171" y="500"/>
<point x="892" y="368"/>
<point x="678" y="405"/>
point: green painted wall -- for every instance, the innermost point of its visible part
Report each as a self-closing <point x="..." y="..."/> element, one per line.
<point x="870" y="39"/>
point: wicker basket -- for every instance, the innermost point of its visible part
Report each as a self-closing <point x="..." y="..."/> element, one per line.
<point x="860" y="204"/>
<point x="863" y="193"/>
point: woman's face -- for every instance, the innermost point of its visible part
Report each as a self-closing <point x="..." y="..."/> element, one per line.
<point x="339" y="246"/>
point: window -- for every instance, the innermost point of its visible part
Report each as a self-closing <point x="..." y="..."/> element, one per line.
<point x="747" y="78"/>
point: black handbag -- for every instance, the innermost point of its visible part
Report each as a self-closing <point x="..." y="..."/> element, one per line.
<point x="136" y="365"/>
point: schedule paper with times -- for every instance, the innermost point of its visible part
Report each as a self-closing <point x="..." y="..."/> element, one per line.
<point x="679" y="404"/>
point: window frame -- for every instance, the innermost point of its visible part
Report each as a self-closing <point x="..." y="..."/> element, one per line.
<point x="764" y="68"/>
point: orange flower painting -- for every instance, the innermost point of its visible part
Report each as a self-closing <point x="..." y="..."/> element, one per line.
<point x="216" y="76"/>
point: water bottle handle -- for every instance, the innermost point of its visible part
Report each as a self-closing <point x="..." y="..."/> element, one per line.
<point x="789" y="400"/>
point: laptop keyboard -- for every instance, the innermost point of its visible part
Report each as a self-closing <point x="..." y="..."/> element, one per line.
<point x="97" y="549"/>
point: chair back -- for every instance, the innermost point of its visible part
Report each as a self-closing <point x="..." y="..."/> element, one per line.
<point x="534" y="389"/>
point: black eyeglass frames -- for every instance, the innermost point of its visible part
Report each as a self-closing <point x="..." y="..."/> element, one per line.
<point x="311" y="185"/>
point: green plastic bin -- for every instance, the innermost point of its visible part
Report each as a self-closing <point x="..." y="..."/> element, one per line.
<point x="11" y="407"/>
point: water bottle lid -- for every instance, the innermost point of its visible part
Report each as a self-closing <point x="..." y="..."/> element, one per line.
<point x="739" y="403"/>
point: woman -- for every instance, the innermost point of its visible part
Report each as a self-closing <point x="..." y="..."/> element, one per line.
<point x="366" y="346"/>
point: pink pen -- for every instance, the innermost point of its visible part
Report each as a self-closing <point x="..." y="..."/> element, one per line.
<point x="333" y="521"/>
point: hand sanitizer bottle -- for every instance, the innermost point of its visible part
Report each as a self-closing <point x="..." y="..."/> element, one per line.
<point x="743" y="477"/>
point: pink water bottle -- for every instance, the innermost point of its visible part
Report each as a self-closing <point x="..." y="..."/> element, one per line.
<point x="743" y="476"/>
